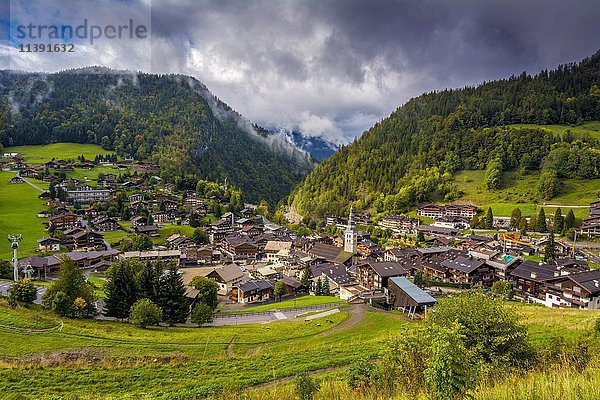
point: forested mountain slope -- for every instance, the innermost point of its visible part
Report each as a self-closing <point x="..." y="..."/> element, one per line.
<point x="172" y="120"/>
<point x="410" y="156"/>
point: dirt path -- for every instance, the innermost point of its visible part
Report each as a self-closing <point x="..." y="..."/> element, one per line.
<point x="291" y="378"/>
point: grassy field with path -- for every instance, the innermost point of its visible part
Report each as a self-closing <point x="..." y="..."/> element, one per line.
<point x="19" y="205"/>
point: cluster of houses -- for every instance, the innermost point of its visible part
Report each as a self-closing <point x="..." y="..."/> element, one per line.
<point x="247" y="254"/>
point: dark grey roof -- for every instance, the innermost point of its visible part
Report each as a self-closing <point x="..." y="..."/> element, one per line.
<point x="412" y="290"/>
<point x="259" y="284"/>
<point x="528" y="267"/>
<point x="463" y="264"/>
<point x="387" y="269"/>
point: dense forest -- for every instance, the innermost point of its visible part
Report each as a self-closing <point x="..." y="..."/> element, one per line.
<point x="409" y="156"/>
<point x="171" y="120"/>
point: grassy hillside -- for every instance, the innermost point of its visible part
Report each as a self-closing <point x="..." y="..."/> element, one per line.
<point x="408" y="158"/>
<point x="171" y="120"/>
<point x="40" y="154"/>
<point x="521" y="191"/>
<point x="587" y="130"/>
<point x="92" y="359"/>
<point x="19" y="205"/>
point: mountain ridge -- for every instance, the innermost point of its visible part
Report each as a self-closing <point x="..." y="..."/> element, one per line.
<point x="173" y="120"/>
<point x="409" y="157"/>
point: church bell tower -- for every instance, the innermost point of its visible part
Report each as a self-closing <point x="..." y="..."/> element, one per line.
<point x="350" y="236"/>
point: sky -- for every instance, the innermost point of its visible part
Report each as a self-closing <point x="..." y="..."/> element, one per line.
<point x="328" y="68"/>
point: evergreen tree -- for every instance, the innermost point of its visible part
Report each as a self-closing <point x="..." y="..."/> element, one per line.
<point x="420" y="237"/>
<point x="72" y="285"/>
<point x="171" y="297"/>
<point x="147" y="281"/>
<point x="489" y="219"/>
<point x="515" y="218"/>
<point x="121" y="291"/>
<point x="523" y="226"/>
<point x="200" y="236"/>
<point x="569" y="220"/>
<point x="325" y="291"/>
<point x="550" y="249"/>
<point x="305" y="280"/>
<point x="52" y="190"/>
<point x="541" y="222"/>
<point x="319" y="287"/>
<point x="559" y="221"/>
<point x="280" y="289"/>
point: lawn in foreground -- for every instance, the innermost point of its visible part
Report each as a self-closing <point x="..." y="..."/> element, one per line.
<point x="190" y="362"/>
<point x="19" y="205"/>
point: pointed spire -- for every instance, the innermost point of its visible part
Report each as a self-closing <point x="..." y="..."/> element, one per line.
<point x="351" y="218"/>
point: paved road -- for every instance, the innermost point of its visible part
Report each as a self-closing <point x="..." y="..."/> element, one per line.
<point x="5" y="286"/>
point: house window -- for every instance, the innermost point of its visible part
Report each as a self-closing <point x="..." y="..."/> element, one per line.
<point x="576" y="289"/>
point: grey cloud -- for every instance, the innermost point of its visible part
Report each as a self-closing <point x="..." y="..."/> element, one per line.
<point x="343" y="64"/>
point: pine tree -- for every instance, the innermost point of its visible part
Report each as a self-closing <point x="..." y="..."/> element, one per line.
<point x="147" y="281"/>
<point x="569" y="220"/>
<point x="550" y="250"/>
<point x="541" y="222"/>
<point x="171" y="297"/>
<point x="120" y="289"/>
<point x="515" y="218"/>
<point x="319" y="287"/>
<point x="489" y="219"/>
<point x="325" y="291"/>
<point x="305" y="280"/>
<point x="559" y="221"/>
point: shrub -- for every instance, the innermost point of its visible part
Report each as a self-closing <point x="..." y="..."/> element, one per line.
<point x="306" y="387"/>
<point x="144" y="312"/>
<point x="363" y="375"/>
<point x="23" y="291"/>
<point x="61" y="304"/>
<point x="597" y="326"/>
<point x="202" y="314"/>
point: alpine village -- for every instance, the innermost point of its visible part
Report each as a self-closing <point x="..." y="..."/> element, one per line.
<point x="452" y="251"/>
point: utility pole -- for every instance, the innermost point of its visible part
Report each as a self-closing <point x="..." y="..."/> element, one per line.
<point x="15" y="239"/>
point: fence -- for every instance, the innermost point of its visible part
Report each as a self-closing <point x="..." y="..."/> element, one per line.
<point x="257" y="313"/>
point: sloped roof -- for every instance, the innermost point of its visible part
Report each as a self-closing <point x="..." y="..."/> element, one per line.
<point x="463" y="264"/>
<point x="412" y="290"/>
<point x="387" y="269"/>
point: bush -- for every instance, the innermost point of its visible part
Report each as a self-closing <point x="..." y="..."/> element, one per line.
<point x="144" y="312"/>
<point x="23" y="291"/>
<point x="362" y="375"/>
<point x="202" y="314"/>
<point x="490" y="329"/>
<point x="306" y="387"/>
<point x="598" y="326"/>
<point x="503" y="289"/>
<point x="61" y="304"/>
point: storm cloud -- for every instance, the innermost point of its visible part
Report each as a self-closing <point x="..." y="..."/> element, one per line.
<point x="330" y="68"/>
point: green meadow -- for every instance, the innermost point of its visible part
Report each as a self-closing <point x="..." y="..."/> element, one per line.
<point x="19" y="205"/>
<point x="521" y="191"/>
<point x="590" y="130"/>
<point x="40" y="154"/>
<point x="93" y="359"/>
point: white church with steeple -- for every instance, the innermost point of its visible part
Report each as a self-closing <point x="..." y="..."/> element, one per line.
<point x="350" y="235"/>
